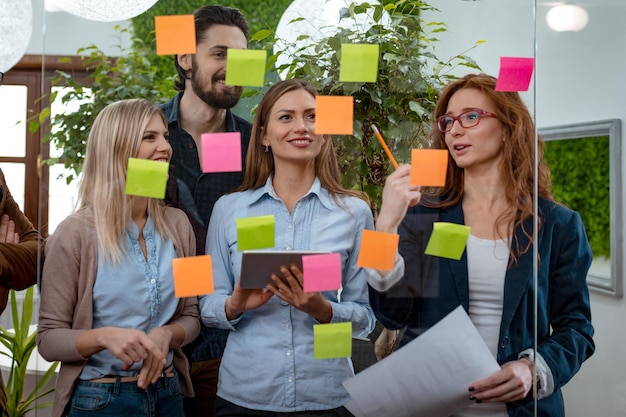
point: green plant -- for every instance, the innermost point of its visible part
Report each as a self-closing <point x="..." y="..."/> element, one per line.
<point x="399" y="103"/>
<point x="128" y="76"/>
<point x="21" y="344"/>
<point x="577" y="166"/>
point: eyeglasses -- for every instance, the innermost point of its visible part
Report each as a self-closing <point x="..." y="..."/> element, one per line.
<point x="466" y="119"/>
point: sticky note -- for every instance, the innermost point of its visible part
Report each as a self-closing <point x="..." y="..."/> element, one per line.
<point x="321" y="272"/>
<point x="428" y="167"/>
<point x="255" y="232"/>
<point x="334" y="115"/>
<point x="245" y="67"/>
<point x="175" y="34"/>
<point x="332" y="340"/>
<point x="193" y="275"/>
<point x="448" y="240"/>
<point x="221" y="152"/>
<point x="378" y="250"/>
<point x="514" y="74"/>
<point x="359" y="63"/>
<point x="146" y="178"/>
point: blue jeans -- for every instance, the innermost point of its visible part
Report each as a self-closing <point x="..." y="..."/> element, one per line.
<point x="162" y="399"/>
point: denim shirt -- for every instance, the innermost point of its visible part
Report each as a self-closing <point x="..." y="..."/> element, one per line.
<point x="134" y="294"/>
<point x="268" y="362"/>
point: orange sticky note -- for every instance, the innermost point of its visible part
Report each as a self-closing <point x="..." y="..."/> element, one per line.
<point x="378" y="250"/>
<point x="428" y="167"/>
<point x="175" y="34"/>
<point x="193" y="275"/>
<point x="334" y="115"/>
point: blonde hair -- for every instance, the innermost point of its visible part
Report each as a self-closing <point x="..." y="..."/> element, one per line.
<point x="260" y="163"/>
<point x="115" y="136"/>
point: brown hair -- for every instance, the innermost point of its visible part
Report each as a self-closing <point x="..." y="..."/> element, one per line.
<point x="517" y="169"/>
<point x="260" y="164"/>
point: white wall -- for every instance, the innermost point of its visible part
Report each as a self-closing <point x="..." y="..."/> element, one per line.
<point x="579" y="78"/>
<point x="66" y="33"/>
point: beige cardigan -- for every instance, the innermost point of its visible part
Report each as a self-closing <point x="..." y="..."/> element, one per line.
<point x="66" y="308"/>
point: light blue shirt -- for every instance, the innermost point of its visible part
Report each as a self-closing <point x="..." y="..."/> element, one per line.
<point x="134" y="294"/>
<point x="268" y="362"/>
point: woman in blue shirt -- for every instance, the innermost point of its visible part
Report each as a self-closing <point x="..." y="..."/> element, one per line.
<point x="108" y="310"/>
<point x="293" y="174"/>
<point x="489" y="187"/>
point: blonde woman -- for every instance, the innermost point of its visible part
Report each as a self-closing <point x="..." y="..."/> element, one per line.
<point x="108" y="311"/>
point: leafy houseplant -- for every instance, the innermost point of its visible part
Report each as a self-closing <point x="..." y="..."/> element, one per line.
<point x="22" y="344"/>
<point x="399" y="103"/>
<point x="129" y="76"/>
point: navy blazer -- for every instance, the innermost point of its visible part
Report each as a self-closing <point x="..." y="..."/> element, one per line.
<point x="432" y="287"/>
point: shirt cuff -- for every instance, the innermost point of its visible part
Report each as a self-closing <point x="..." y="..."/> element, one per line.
<point x="383" y="283"/>
<point x="545" y="381"/>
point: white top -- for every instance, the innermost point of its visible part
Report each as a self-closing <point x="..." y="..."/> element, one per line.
<point x="486" y="264"/>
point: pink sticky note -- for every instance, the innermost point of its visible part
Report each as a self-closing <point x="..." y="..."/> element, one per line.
<point x="515" y="74"/>
<point x="321" y="272"/>
<point x="221" y="152"/>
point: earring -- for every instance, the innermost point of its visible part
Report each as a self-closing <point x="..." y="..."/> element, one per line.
<point x="267" y="148"/>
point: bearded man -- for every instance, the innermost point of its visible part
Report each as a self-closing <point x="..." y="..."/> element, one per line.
<point x="203" y="106"/>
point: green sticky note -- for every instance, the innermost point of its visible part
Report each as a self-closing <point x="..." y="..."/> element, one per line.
<point x="146" y="178"/>
<point x="359" y="63"/>
<point x="448" y="240"/>
<point x="245" y="67"/>
<point x="255" y="232"/>
<point x="332" y="340"/>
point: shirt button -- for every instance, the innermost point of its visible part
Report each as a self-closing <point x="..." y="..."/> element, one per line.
<point x="290" y="380"/>
<point x="288" y="247"/>
<point x="152" y="281"/>
<point x="290" y="226"/>
<point x="288" y="353"/>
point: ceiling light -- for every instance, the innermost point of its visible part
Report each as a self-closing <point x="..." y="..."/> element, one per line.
<point x="16" y="26"/>
<point x="567" y="17"/>
<point x="105" y="10"/>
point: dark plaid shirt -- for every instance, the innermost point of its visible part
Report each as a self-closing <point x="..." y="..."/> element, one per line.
<point x="205" y="190"/>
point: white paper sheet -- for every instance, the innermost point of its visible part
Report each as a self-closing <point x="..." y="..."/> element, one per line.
<point x="428" y="377"/>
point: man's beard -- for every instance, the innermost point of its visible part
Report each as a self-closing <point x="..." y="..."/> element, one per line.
<point x="223" y="100"/>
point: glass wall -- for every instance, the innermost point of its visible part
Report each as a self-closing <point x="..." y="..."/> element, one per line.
<point x="577" y="99"/>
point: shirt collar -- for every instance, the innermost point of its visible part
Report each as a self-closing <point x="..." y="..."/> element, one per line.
<point x="316" y="189"/>
<point x="172" y="114"/>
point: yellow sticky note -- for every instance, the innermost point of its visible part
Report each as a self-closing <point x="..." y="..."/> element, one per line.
<point x="175" y="34"/>
<point x="378" y="250"/>
<point x="332" y="340"/>
<point x="245" y="67"/>
<point x="428" y="167"/>
<point x="334" y="115"/>
<point x="255" y="232"/>
<point x="448" y="240"/>
<point x="359" y="63"/>
<point x="193" y="275"/>
<point x="146" y="178"/>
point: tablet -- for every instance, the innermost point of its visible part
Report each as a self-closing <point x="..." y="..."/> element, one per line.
<point x="257" y="266"/>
